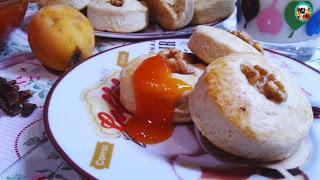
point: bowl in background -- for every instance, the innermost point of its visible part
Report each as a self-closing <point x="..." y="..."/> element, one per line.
<point x="11" y="16"/>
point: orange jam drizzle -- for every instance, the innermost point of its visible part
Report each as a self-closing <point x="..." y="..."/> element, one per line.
<point x="156" y="93"/>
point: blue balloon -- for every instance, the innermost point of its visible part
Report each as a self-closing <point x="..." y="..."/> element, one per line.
<point x="313" y="25"/>
<point x="239" y="9"/>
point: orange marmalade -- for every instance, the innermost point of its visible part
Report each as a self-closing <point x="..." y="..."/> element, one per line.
<point x="156" y="93"/>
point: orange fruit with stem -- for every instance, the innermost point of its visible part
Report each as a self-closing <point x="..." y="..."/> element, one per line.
<point x="60" y="37"/>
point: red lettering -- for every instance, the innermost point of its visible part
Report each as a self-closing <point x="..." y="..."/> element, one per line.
<point x="107" y="121"/>
<point x="112" y="97"/>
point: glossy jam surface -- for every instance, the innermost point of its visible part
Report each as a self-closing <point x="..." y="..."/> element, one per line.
<point x="156" y="93"/>
<point x="11" y="15"/>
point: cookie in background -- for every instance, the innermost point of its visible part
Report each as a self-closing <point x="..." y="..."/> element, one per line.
<point x="172" y="15"/>
<point x="210" y="43"/>
<point x="118" y="15"/>
<point x="209" y="11"/>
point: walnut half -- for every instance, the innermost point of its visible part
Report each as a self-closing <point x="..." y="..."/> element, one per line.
<point x="177" y="61"/>
<point x="117" y="3"/>
<point x="265" y="82"/>
<point x="245" y="37"/>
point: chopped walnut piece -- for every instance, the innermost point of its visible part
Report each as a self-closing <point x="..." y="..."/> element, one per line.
<point x="117" y="3"/>
<point x="273" y="91"/>
<point x="261" y="70"/>
<point x="177" y="61"/>
<point x="251" y="74"/>
<point x="245" y="37"/>
<point x="271" y="77"/>
<point x="265" y="82"/>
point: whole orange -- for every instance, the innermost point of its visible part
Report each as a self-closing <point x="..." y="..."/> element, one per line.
<point x="60" y="36"/>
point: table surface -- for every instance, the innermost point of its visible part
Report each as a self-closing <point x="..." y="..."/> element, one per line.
<point x="25" y="151"/>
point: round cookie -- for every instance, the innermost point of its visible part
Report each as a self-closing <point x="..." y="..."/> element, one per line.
<point x="127" y="97"/>
<point x="210" y="43"/>
<point x="209" y="11"/>
<point x="171" y="14"/>
<point x="248" y="107"/>
<point x="131" y="16"/>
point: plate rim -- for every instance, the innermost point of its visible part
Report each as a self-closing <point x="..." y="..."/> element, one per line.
<point x="50" y="135"/>
<point x="159" y="35"/>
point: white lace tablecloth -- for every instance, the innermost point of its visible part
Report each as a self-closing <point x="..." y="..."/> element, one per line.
<point x="25" y="152"/>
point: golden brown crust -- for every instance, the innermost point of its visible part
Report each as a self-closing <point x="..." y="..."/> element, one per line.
<point x="215" y="91"/>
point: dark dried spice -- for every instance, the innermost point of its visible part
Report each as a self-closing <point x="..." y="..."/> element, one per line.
<point x="27" y="109"/>
<point x="2" y="80"/>
<point x="15" y="110"/>
<point x="16" y="87"/>
<point x="11" y="99"/>
<point x="9" y="93"/>
<point x="3" y="104"/>
<point x="24" y="95"/>
<point x="316" y="112"/>
<point x="13" y="82"/>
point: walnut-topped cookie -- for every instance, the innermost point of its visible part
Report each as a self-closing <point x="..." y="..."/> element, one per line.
<point x="248" y="107"/>
<point x="183" y="68"/>
<point x="210" y="43"/>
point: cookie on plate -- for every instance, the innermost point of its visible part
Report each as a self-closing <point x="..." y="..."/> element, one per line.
<point x="123" y="16"/>
<point x="248" y="107"/>
<point x="187" y="72"/>
<point x="210" y="43"/>
<point x="209" y="11"/>
<point x="171" y="14"/>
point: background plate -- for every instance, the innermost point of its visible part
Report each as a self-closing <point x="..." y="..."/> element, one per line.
<point x="154" y="31"/>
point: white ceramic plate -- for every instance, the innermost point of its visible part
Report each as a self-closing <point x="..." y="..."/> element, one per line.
<point x="74" y="133"/>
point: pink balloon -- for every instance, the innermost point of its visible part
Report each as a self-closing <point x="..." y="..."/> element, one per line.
<point x="270" y="20"/>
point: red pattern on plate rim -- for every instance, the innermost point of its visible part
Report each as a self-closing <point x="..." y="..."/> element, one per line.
<point x="18" y="137"/>
<point x="116" y="118"/>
